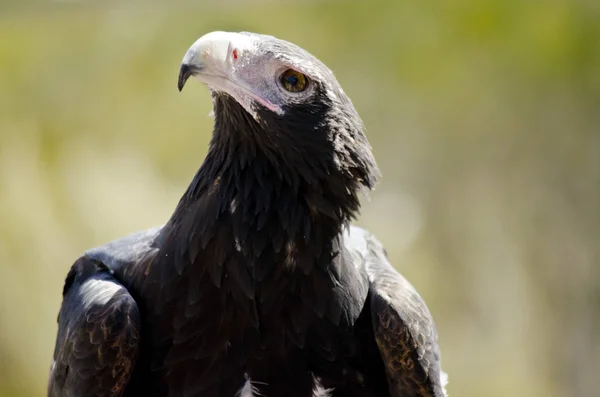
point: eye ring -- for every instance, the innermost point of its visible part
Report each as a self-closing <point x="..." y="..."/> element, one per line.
<point x="293" y="81"/>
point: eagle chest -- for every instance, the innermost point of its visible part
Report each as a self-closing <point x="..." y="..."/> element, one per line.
<point x="240" y="313"/>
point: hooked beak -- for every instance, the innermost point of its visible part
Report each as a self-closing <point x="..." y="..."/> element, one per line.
<point x="208" y="58"/>
<point x="184" y="74"/>
<point x="213" y="59"/>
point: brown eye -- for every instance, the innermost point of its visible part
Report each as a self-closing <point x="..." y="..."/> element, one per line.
<point x="293" y="81"/>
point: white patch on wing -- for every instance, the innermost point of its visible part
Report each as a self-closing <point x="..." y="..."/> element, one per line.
<point x="444" y="382"/>
<point x="98" y="292"/>
<point x="356" y="239"/>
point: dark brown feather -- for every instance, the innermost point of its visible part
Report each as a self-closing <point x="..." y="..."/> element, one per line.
<point x="98" y="336"/>
<point x="253" y="278"/>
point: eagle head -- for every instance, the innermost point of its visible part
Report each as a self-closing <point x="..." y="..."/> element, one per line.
<point x="274" y="98"/>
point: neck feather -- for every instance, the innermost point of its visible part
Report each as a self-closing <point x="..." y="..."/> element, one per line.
<point x="265" y="198"/>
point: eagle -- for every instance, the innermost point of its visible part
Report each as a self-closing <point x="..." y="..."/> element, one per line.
<point x="258" y="284"/>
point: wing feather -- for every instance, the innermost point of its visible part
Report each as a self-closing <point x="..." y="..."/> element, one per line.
<point x="403" y="326"/>
<point x="98" y="334"/>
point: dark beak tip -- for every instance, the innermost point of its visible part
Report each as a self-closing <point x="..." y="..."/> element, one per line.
<point x="184" y="74"/>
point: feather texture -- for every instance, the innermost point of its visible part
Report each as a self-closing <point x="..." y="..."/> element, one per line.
<point x="255" y="286"/>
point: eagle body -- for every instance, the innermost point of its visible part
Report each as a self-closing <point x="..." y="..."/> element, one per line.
<point x="257" y="285"/>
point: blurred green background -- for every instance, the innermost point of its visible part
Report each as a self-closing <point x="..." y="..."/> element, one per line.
<point x="484" y="117"/>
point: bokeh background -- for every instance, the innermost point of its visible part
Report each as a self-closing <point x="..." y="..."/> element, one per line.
<point x="484" y="117"/>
